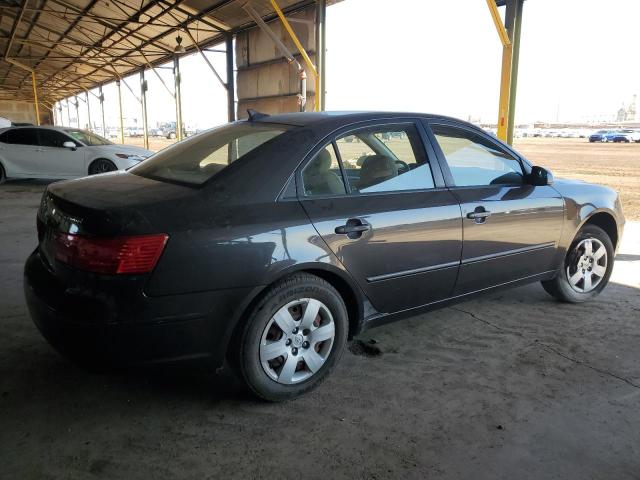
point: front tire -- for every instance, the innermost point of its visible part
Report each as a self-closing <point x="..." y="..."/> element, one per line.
<point x="101" y="165"/>
<point x="293" y="338"/>
<point x="586" y="269"/>
<point x="3" y="176"/>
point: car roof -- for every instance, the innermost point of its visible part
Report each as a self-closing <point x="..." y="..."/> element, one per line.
<point x="44" y="127"/>
<point x="340" y="117"/>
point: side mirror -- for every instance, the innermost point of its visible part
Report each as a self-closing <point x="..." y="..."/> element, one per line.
<point x="540" y="177"/>
<point x="70" y="145"/>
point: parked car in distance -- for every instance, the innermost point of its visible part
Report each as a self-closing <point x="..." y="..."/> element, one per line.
<point x="271" y="241"/>
<point x="633" y="135"/>
<point x="618" y="136"/>
<point x="61" y="153"/>
<point x="599" y="136"/>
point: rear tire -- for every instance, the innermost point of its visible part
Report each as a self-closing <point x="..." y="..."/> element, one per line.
<point x="101" y="165"/>
<point x="586" y="269"/>
<point x="3" y="176"/>
<point x="292" y="339"/>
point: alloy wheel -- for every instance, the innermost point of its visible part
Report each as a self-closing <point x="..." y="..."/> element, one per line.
<point x="587" y="265"/>
<point x="297" y="341"/>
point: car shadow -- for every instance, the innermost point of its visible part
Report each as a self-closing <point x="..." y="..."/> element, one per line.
<point x="45" y="371"/>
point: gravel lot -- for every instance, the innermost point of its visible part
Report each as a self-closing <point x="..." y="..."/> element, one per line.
<point x="511" y="385"/>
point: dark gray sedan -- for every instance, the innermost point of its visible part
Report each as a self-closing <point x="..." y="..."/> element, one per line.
<point x="269" y="242"/>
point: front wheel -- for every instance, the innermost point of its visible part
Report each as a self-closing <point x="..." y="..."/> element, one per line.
<point x="586" y="268"/>
<point x="293" y="338"/>
<point x="102" y="165"/>
<point x="3" y="176"/>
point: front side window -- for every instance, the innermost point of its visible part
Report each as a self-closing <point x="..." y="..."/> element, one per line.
<point x="88" y="138"/>
<point x="51" y="138"/>
<point x="198" y="158"/>
<point x="387" y="158"/>
<point x="23" y="136"/>
<point x="322" y="175"/>
<point x="475" y="160"/>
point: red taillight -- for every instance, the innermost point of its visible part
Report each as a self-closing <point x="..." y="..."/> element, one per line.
<point x="138" y="254"/>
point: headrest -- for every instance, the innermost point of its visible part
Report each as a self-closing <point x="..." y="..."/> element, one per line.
<point x="376" y="168"/>
<point x="321" y="164"/>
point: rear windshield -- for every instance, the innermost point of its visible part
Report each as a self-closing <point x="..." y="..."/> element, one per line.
<point x="197" y="159"/>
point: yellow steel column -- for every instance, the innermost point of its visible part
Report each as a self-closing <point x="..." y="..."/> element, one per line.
<point x="302" y="51"/>
<point x="505" y="91"/>
<point x="35" y="96"/>
<point x="120" y="107"/>
<point x="505" y="76"/>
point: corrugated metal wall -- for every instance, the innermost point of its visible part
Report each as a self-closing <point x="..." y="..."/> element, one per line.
<point x="265" y="81"/>
<point x="24" y="112"/>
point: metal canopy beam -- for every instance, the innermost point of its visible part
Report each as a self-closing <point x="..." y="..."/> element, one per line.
<point x="73" y="45"/>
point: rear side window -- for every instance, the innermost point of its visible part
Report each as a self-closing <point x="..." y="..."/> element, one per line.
<point x="4" y="137"/>
<point x="475" y="160"/>
<point x="322" y="175"/>
<point x="386" y="158"/>
<point x="23" y="136"/>
<point x="199" y="158"/>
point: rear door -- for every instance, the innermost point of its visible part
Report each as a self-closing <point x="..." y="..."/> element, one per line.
<point x="511" y="228"/>
<point x="379" y="202"/>
<point x="21" y="151"/>
<point x="59" y="161"/>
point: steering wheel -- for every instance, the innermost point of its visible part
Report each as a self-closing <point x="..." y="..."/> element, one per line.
<point x="403" y="167"/>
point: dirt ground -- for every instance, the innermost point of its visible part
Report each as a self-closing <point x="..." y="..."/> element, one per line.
<point x="614" y="164"/>
<point x="512" y="385"/>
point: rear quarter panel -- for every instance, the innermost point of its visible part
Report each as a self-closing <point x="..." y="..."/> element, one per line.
<point x="241" y="246"/>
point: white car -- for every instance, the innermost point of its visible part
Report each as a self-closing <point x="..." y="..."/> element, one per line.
<point x="61" y="153"/>
<point x="634" y="135"/>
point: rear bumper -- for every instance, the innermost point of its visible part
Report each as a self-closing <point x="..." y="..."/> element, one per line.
<point x="91" y="325"/>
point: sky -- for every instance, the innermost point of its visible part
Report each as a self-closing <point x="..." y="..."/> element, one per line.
<point x="578" y="60"/>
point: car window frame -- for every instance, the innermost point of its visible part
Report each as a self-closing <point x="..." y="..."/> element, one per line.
<point x="444" y="165"/>
<point x="346" y="130"/>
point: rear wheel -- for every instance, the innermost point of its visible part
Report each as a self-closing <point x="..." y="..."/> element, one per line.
<point x="586" y="268"/>
<point x="3" y="176"/>
<point x="101" y="165"/>
<point x="293" y="338"/>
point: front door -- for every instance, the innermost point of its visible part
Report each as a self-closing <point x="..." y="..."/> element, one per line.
<point x="381" y="207"/>
<point x="57" y="160"/>
<point x="511" y="228"/>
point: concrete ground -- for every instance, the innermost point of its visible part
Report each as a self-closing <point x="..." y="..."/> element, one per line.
<point x="513" y="385"/>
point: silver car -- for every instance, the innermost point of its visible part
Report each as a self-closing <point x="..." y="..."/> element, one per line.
<point x="61" y="153"/>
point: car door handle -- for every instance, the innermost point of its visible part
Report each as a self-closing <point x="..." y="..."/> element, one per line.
<point x="475" y="215"/>
<point x="479" y="215"/>
<point x="353" y="228"/>
<point x="344" y="229"/>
